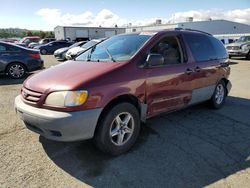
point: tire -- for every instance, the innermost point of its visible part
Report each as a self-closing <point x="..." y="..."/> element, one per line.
<point x="248" y="56"/>
<point x="114" y="123"/>
<point x="43" y="51"/>
<point x="16" y="70"/>
<point x="219" y="95"/>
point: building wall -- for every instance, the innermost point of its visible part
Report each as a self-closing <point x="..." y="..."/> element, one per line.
<point x="59" y="32"/>
<point x="150" y="28"/>
<point x="221" y="28"/>
<point x="91" y="32"/>
<point x="217" y="27"/>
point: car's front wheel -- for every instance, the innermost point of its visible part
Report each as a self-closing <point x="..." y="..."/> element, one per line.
<point x="16" y="70"/>
<point x="118" y="129"/>
<point x="219" y="95"/>
<point x="248" y="56"/>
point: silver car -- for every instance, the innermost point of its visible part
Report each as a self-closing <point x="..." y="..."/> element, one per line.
<point x="73" y="52"/>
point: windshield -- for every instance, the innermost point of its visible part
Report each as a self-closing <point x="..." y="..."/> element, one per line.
<point x="75" y="44"/>
<point x="117" y="48"/>
<point x="244" y="39"/>
<point x="22" y="40"/>
<point x="89" y="44"/>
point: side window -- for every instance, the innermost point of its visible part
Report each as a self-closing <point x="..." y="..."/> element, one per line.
<point x="201" y="47"/>
<point x="13" y="49"/>
<point x="219" y="48"/>
<point x="169" y="48"/>
<point x="2" y="48"/>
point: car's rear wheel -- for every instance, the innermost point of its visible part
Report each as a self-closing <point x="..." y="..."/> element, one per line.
<point x="16" y="70"/>
<point x="118" y="129"/>
<point x="219" y="95"/>
<point x="43" y="51"/>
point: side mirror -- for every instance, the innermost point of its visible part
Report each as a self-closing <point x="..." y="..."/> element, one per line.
<point x="155" y="60"/>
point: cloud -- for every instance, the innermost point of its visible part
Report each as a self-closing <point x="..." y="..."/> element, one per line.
<point x="237" y="15"/>
<point x="106" y="18"/>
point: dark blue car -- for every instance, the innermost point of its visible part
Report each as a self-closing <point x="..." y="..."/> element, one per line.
<point x="16" y="61"/>
<point x="51" y="47"/>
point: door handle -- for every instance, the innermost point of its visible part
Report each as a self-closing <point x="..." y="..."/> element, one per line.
<point x="189" y="71"/>
<point x="197" y="69"/>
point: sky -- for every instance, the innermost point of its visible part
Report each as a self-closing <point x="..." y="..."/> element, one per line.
<point x="46" y="14"/>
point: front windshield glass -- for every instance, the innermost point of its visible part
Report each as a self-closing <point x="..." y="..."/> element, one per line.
<point x="89" y="44"/>
<point x="117" y="48"/>
<point x="22" y="40"/>
<point x="75" y="45"/>
<point x="244" y="39"/>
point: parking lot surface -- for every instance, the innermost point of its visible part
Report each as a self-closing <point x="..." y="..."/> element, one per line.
<point x="194" y="147"/>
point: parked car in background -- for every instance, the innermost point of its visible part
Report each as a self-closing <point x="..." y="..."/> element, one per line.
<point x="74" y="52"/>
<point x="226" y="41"/>
<point x="240" y="48"/>
<point x="16" y="61"/>
<point x="51" y="47"/>
<point x="9" y="40"/>
<point x="112" y="87"/>
<point x="60" y="53"/>
<point x="27" y="40"/>
<point x="42" y="41"/>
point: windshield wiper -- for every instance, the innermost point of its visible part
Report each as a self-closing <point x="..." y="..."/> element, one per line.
<point x="109" y="54"/>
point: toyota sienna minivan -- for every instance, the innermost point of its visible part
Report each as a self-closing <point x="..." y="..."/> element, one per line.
<point x="108" y="90"/>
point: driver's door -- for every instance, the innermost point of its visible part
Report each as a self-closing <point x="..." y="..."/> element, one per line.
<point x="169" y="86"/>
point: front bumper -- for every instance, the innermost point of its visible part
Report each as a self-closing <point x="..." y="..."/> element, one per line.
<point x="59" y="126"/>
<point x="229" y="86"/>
<point x="237" y="52"/>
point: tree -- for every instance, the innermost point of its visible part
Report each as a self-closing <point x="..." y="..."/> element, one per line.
<point x="29" y="33"/>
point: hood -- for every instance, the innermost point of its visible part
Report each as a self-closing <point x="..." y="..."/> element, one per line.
<point x="61" y="50"/>
<point x="39" y="45"/>
<point x="70" y="75"/>
<point x="75" y="50"/>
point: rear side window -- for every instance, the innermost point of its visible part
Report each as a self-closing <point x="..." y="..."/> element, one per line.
<point x="219" y="48"/>
<point x="2" y="48"/>
<point x="201" y="47"/>
<point x="13" y="49"/>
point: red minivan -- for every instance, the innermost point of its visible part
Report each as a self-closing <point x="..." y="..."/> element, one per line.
<point x="108" y="90"/>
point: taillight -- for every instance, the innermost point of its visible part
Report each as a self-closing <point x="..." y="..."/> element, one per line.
<point x="35" y="55"/>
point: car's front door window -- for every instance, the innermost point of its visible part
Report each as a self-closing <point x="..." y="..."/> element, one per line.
<point x="169" y="48"/>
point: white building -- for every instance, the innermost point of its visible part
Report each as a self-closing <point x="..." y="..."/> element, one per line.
<point x="85" y="33"/>
<point x="219" y="28"/>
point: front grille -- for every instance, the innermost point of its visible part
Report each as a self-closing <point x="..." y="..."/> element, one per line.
<point x="30" y="96"/>
<point x="233" y="48"/>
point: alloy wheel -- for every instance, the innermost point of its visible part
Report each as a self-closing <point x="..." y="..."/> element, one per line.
<point x="219" y="94"/>
<point x="16" y="71"/>
<point x="122" y="128"/>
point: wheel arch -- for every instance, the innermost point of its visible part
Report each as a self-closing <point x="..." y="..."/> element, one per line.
<point x="226" y="82"/>
<point x="141" y="107"/>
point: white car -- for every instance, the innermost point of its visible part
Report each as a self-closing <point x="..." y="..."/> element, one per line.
<point x="73" y="52"/>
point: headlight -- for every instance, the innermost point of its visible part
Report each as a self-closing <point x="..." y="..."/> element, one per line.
<point x="66" y="98"/>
